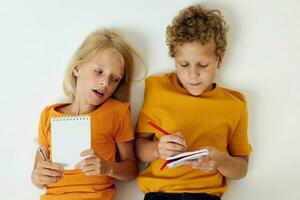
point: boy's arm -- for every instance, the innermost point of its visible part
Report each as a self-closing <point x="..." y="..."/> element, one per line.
<point x="146" y="147"/>
<point x="233" y="167"/>
<point x="150" y="148"/>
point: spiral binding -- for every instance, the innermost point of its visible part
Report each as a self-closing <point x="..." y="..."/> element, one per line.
<point x="70" y="118"/>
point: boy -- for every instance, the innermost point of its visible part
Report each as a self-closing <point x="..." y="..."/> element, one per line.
<point x="197" y="112"/>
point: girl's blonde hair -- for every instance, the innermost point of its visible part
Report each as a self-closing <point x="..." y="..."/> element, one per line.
<point x="93" y="44"/>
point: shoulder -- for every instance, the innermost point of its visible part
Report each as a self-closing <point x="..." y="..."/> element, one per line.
<point x="159" y="83"/>
<point x="158" y="79"/>
<point x="234" y="96"/>
<point x="46" y="114"/>
<point x="115" y="106"/>
<point x="48" y="109"/>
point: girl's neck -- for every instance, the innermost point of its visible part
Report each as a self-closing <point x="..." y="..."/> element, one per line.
<point x="79" y="108"/>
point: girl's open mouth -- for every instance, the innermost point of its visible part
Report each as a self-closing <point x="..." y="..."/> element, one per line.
<point x="98" y="93"/>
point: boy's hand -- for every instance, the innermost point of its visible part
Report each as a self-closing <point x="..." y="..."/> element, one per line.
<point x="170" y="145"/>
<point x="211" y="162"/>
<point x="93" y="165"/>
<point x="47" y="172"/>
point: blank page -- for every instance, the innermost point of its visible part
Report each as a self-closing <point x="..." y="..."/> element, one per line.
<point x="70" y="136"/>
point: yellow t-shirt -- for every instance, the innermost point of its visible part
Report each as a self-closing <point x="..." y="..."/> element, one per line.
<point x="110" y="124"/>
<point x="217" y="118"/>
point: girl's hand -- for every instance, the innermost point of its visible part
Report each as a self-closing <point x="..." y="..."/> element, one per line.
<point x="47" y="172"/>
<point x="93" y="165"/>
<point x="170" y="145"/>
<point x="211" y="162"/>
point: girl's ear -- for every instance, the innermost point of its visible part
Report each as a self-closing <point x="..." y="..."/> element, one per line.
<point x="76" y="71"/>
<point x="220" y="60"/>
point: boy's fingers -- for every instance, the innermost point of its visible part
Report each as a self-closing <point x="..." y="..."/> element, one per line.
<point x="168" y="153"/>
<point x="174" y="139"/>
<point x="203" y="159"/>
<point x="174" y="147"/>
<point x="179" y="134"/>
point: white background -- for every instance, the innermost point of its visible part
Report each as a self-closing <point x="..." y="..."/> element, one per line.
<point x="37" y="38"/>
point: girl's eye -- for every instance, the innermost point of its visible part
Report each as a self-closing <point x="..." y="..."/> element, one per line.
<point x="116" y="80"/>
<point x="99" y="71"/>
<point x="184" y="65"/>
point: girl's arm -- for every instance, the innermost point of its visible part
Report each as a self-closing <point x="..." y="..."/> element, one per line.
<point x="45" y="172"/>
<point x="126" y="169"/>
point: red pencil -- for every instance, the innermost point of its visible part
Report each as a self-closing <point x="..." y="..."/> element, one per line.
<point x="158" y="128"/>
<point x="164" y="132"/>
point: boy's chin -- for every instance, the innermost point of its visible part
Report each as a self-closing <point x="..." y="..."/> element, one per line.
<point x="195" y="93"/>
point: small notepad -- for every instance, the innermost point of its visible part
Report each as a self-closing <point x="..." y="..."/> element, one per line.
<point x="69" y="137"/>
<point x="179" y="159"/>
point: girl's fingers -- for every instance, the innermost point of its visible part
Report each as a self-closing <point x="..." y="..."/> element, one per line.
<point x="88" y="152"/>
<point x="88" y="168"/>
<point x="50" y="173"/>
<point x="86" y="161"/>
<point x="91" y="173"/>
<point x="44" y="180"/>
<point x="50" y="165"/>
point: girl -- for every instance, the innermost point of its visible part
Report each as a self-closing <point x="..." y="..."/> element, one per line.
<point x="98" y="82"/>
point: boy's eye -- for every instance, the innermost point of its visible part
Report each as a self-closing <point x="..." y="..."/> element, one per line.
<point x="203" y="66"/>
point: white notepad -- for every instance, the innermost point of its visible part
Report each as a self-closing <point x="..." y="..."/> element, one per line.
<point x="179" y="159"/>
<point x="69" y="137"/>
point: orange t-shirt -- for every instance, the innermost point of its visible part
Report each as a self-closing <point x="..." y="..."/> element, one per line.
<point x="110" y="124"/>
<point x="217" y="118"/>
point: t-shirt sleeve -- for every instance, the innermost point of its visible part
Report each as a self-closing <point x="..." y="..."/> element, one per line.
<point x="238" y="144"/>
<point x="42" y="133"/>
<point x="125" y="130"/>
<point x="147" y="114"/>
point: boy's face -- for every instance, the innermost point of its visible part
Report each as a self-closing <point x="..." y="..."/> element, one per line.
<point x="98" y="78"/>
<point x="196" y="65"/>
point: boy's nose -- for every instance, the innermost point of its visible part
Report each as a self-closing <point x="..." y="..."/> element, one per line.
<point x="193" y="72"/>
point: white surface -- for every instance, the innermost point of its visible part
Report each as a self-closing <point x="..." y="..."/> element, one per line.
<point x="38" y="37"/>
<point x="69" y="137"/>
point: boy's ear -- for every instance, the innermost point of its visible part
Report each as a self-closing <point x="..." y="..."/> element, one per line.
<point x="220" y="60"/>
<point x="76" y="71"/>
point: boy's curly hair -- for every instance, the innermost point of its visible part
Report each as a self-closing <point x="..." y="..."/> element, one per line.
<point x="195" y="23"/>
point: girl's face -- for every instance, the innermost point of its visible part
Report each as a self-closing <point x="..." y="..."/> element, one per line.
<point x="196" y="65"/>
<point x="98" y="78"/>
